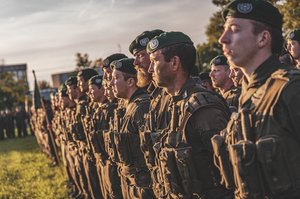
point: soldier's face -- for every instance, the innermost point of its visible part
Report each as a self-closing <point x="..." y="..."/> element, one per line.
<point x="97" y="94"/>
<point x="82" y="84"/>
<point x="240" y="44"/>
<point x="160" y="69"/>
<point x="108" y="92"/>
<point x="294" y="49"/>
<point x="219" y="75"/>
<point x="142" y="63"/>
<point x="107" y="72"/>
<point x="236" y="75"/>
<point x="120" y="86"/>
<point x="72" y="93"/>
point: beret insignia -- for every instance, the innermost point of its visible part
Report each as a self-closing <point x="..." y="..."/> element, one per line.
<point x="154" y="43"/>
<point x="118" y="64"/>
<point x="144" y="41"/>
<point x="292" y="35"/>
<point x="106" y="62"/>
<point x="98" y="81"/>
<point x="244" y="7"/>
<point x="218" y="61"/>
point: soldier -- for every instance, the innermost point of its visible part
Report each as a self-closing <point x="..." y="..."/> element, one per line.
<point x="293" y="46"/>
<point x="77" y="149"/>
<point x="219" y="73"/>
<point x="135" y="176"/>
<point x="158" y="117"/>
<point x="185" y="154"/>
<point x="111" y="184"/>
<point x="83" y="115"/>
<point x="107" y="71"/>
<point x="263" y="137"/>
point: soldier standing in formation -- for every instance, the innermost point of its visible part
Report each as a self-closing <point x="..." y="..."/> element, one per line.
<point x="293" y="46"/>
<point x="263" y="136"/>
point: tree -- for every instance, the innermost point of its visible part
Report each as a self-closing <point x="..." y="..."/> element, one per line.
<point x="12" y="92"/>
<point x="43" y="84"/>
<point x="82" y="61"/>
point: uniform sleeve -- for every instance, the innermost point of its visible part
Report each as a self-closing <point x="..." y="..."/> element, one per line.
<point x="202" y="125"/>
<point x="287" y="110"/>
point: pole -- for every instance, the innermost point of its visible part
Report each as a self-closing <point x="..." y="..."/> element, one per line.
<point x="56" y="157"/>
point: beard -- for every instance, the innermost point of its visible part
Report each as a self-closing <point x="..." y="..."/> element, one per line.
<point x="143" y="78"/>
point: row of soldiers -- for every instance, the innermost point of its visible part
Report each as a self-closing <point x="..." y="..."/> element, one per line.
<point x="146" y="129"/>
<point x="10" y="120"/>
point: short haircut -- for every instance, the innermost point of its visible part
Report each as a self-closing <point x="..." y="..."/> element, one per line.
<point x="276" y="36"/>
<point x="186" y="53"/>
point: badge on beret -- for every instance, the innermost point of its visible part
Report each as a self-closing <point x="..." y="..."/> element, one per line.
<point x="106" y="62"/>
<point x="292" y="35"/>
<point x="98" y="81"/>
<point x="244" y="8"/>
<point x="118" y="64"/>
<point x="154" y="43"/>
<point x="144" y="41"/>
<point x="218" y="61"/>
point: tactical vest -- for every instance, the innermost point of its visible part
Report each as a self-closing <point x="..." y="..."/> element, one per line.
<point x="263" y="154"/>
<point x="180" y="176"/>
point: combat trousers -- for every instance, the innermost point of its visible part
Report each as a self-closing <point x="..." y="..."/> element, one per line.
<point x="81" y="174"/>
<point x="92" y="176"/>
<point x="73" y="175"/>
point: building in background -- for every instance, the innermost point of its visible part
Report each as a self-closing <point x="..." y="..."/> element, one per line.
<point x="19" y="71"/>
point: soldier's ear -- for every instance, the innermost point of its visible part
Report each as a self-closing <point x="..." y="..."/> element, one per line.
<point x="131" y="82"/>
<point x="175" y="62"/>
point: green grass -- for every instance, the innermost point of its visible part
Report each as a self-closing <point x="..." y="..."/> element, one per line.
<point x="24" y="172"/>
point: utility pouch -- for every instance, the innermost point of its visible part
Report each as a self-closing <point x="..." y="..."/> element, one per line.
<point x="136" y="156"/>
<point x="146" y="146"/>
<point x="110" y="146"/>
<point x="185" y="165"/>
<point x="245" y="168"/>
<point x="221" y="160"/>
<point x="270" y="152"/>
<point x="122" y="146"/>
<point x="170" y="173"/>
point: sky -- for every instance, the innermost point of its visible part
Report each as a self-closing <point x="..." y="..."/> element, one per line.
<point x="46" y="34"/>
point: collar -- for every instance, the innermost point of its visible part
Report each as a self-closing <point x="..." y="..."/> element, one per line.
<point x="136" y="93"/>
<point x="184" y="91"/>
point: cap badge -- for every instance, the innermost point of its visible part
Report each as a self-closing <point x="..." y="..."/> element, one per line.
<point x="217" y="61"/>
<point x="292" y="35"/>
<point x="154" y="44"/>
<point x="98" y="81"/>
<point x="245" y="8"/>
<point x="118" y="64"/>
<point x="144" y="41"/>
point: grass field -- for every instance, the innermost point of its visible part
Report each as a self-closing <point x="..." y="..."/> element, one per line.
<point x="24" y="172"/>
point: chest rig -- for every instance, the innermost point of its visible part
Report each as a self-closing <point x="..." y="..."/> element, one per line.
<point x="177" y="170"/>
<point x="260" y="149"/>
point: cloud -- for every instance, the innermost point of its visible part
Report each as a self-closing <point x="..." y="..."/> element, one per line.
<point x="47" y="34"/>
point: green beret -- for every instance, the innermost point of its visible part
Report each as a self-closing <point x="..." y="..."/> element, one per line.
<point x="141" y="41"/>
<point x="87" y="73"/>
<point x="294" y="35"/>
<point x="96" y="80"/>
<point x="63" y="90"/>
<point x="107" y="61"/>
<point x="168" y="39"/>
<point x="219" y="60"/>
<point x="124" y="65"/>
<point x="257" y="10"/>
<point x="71" y="81"/>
